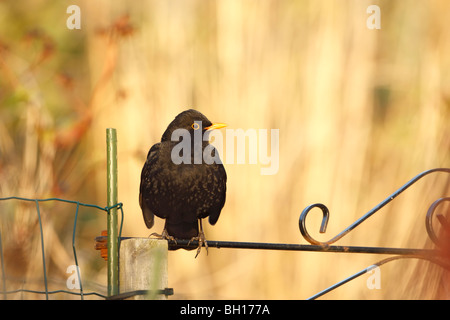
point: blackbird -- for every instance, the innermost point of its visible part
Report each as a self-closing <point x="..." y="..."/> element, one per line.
<point x="183" y="192"/>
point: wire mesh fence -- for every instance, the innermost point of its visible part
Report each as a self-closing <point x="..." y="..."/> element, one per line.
<point x="74" y="283"/>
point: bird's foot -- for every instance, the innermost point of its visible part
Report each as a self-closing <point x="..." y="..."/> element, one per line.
<point x="201" y="240"/>
<point x="164" y="235"/>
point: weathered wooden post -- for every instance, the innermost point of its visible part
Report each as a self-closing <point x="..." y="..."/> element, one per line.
<point x="143" y="266"/>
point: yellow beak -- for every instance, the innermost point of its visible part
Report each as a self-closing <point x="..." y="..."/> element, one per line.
<point x="216" y="126"/>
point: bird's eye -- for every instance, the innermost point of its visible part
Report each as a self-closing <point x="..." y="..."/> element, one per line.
<point x="195" y="126"/>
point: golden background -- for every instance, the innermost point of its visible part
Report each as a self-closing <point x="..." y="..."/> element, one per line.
<point x="359" y="113"/>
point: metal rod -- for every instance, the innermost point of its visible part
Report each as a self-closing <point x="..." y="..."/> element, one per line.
<point x="378" y="264"/>
<point x="3" y="268"/>
<point x="187" y="244"/>
<point x="74" y="250"/>
<point x="42" y="249"/>
<point x="337" y="285"/>
<point x="130" y="294"/>
<point x="113" y="250"/>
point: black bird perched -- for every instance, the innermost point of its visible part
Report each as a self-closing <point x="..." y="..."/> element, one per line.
<point x="184" y="191"/>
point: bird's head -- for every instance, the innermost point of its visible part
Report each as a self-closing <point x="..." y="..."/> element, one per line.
<point x="191" y="120"/>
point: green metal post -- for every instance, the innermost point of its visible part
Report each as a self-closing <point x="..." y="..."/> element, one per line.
<point x="113" y="250"/>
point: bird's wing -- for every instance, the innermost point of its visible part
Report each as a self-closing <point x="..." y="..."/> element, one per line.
<point x="147" y="213"/>
<point x="145" y="177"/>
<point x="221" y="176"/>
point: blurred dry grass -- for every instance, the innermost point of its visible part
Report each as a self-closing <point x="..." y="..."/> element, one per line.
<point x="360" y="112"/>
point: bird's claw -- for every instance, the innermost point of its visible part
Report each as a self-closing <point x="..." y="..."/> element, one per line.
<point x="201" y="240"/>
<point x="164" y="235"/>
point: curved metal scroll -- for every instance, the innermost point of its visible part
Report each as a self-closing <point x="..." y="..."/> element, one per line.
<point x="441" y="218"/>
<point x="326" y="213"/>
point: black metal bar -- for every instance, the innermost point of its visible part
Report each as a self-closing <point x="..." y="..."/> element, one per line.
<point x="187" y="244"/>
<point x="130" y="294"/>
<point x="337" y="285"/>
<point x="433" y="259"/>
